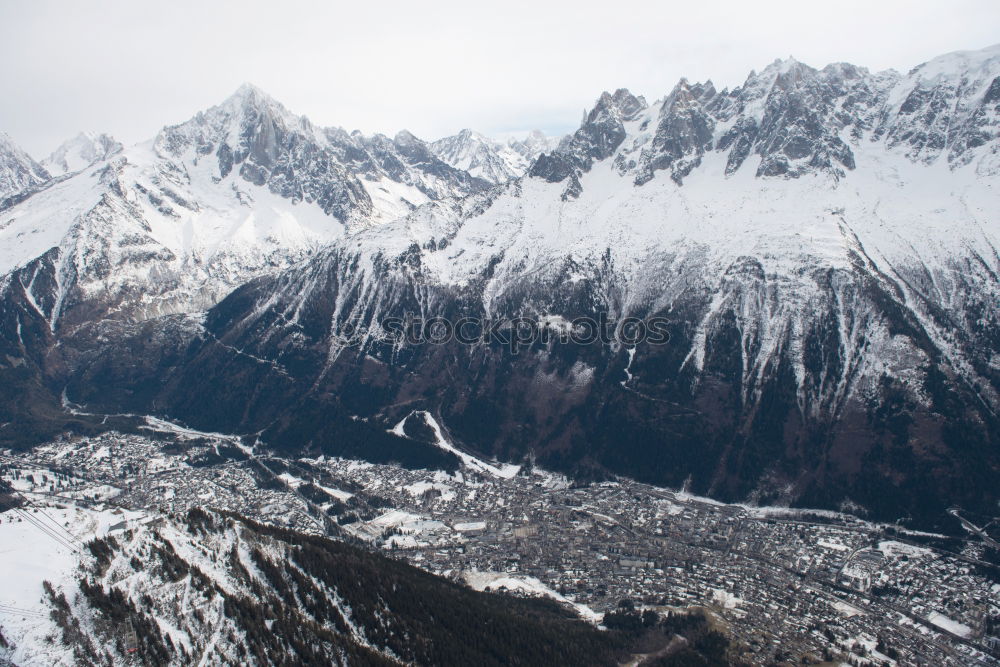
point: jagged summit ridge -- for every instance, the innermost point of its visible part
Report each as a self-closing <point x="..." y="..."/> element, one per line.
<point x="793" y="120"/>
<point x="599" y="136"/>
<point x="343" y="173"/>
<point x="948" y="106"/>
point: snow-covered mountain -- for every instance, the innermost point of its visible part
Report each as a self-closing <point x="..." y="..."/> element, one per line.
<point x="795" y="120"/>
<point x="533" y="145"/>
<point x="175" y="223"/>
<point x="492" y="160"/>
<point x="80" y="152"/>
<point x="18" y="171"/>
<point x="823" y="243"/>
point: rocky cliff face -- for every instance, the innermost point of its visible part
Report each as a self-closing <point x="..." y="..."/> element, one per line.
<point x="825" y="253"/>
<point x="599" y="136"/>
<point x="349" y="176"/>
<point x="798" y="120"/>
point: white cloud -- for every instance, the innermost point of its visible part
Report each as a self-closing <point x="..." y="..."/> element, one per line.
<point x="128" y="67"/>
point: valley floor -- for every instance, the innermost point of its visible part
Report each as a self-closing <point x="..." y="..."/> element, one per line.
<point x="786" y="585"/>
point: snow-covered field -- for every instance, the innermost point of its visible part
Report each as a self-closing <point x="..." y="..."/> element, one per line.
<point x="949" y="624"/>
<point x="503" y="470"/>
<point x="529" y="585"/>
<point x="30" y="556"/>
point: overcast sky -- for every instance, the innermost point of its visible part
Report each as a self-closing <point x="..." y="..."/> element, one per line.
<point x="130" y="67"/>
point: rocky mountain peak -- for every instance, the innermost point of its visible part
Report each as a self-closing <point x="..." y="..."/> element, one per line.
<point x="80" y="152"/>
<point x="972" y="65"/>
<point x="248" y="120"/>
<point x="267" y="145"/>
<point x="599" y="136"/>
<point x="484" y="157"/>
<point x="406" y="138"/>
<point x="534" y="138"/>
<point x="249" y="96"/>
<point x="242" y="188"/>
<point x="786" y="65"/>
<point x="533" y="145"/>
<point x="18" y="170"/>
<point x="621" y="105"/>
<point x="683" y="133"/>
<point x="948" y="106"/>
<point x="467" y="134"/>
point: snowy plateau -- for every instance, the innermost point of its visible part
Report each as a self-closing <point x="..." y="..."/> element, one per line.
<point x="824" y="243"/>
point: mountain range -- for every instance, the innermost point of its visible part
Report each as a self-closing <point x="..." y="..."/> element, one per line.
<point x="823" y="243"/>
<point x="492" y="160"/>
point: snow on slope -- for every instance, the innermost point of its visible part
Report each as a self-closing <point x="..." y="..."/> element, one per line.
<point x="787" y="224"/>
<point x="80" y="152"/>
<point x="834" y="208"/>
<point x="533" y="144"/>
<point x="818" y="246"/>
<point x="242" y="189"/>
<point x="114" y="233"/>
<point x="503" y="470"/>
<point x="949" y="103"/>
<point x="28" y="233"/>
<point x="208" y="588"/>
<point x="904" y="216"/>
<point x="481" y="156"/>
<point x="18" y="171"/>
<point x="29" y="557"/>
<point x="530" y="585"/>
